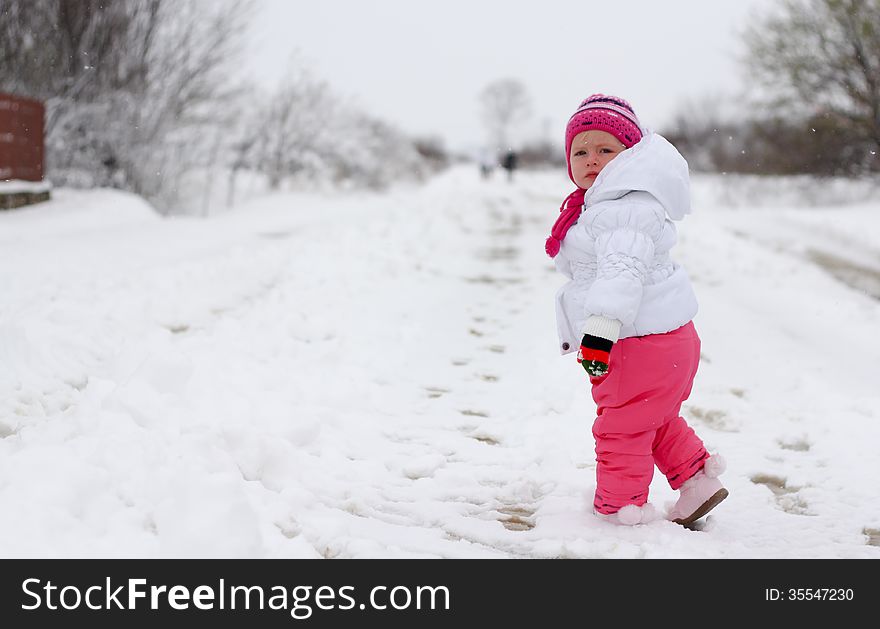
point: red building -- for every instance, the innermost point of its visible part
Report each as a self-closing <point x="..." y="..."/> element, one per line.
<point x="21" y="152"/>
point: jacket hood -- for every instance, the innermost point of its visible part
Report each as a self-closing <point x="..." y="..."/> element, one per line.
<point x="654" y="166"/>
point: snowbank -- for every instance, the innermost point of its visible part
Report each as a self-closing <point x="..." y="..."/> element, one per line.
<point x="376" y="375"/>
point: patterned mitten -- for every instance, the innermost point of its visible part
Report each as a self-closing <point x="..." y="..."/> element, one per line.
<point x="594" y="355"/>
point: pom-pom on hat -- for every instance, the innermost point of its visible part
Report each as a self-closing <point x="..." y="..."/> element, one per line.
<point x="600" y="112"/>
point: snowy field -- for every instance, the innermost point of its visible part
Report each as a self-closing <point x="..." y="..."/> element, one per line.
<point x="376" y="375"/>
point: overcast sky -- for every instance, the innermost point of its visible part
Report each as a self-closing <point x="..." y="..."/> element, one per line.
<point x="421" y="65"/>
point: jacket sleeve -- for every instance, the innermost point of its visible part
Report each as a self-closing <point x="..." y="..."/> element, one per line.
<point x="624" y="232"/>
<point x="562" y="264"/>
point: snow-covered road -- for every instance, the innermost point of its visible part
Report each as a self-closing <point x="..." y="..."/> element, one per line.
<point x="377" y="376"/>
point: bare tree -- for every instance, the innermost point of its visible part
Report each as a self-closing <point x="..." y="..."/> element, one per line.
<point x="140" y="96"/>
<point x="188" y="94"/>
<point x="373" y="152"/>
<point x="504" y="103"/>
<point x="822" y="57"/>
<point x="291" y="125"/>
<point x="130" y="85"/>
<point x="305" y="132"/>
<point x="69" y="51"/>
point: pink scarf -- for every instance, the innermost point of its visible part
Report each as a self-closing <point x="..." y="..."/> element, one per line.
<point x="568" y="215"/>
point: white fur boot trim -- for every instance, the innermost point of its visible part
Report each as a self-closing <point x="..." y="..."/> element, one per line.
<point x="714" y="466"/>
<point x="630" y="515"/>
<point x="650" y="513"/>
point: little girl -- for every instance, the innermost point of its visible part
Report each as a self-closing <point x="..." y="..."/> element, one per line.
<point x="627" y="310"/>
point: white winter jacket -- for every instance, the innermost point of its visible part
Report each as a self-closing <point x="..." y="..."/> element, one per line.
<point x="622" y="281"/>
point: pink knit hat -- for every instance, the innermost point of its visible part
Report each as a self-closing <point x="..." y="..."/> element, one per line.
<point x="603" y="113"/>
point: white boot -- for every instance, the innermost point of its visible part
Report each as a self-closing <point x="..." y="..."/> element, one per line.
<point x="700" y="494"/>
<point x="630" y="515"/>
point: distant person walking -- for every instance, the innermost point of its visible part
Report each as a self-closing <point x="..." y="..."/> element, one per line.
<point x="627" y="310"/>
<point x="509" y="163"/>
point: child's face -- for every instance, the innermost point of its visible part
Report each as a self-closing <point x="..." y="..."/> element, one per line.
<point x="590" y="153"/>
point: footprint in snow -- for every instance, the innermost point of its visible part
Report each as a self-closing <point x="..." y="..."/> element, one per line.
<point x="470" y="413"/>
<point x="494" y="281"/>
<point x="476" y="433"/>
<point x="517" y="517"/>
<point x="436" y="392"/>
<point x="798" y="445"/>
<point x="786" y="496"/>
<point x="713" y="418"/>
<point x="501" y="254"/>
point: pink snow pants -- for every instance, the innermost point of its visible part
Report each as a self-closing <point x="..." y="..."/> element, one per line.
<point x="638" y="423"/>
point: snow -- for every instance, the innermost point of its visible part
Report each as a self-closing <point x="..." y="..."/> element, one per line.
<point x="376" y="375"/>
<point x="17" y="186"/>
